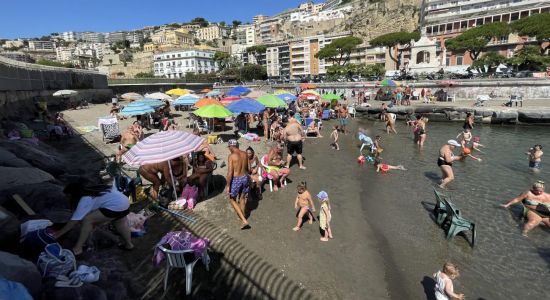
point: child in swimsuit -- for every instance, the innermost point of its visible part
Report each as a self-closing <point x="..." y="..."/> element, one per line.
<point x="385" y="167"/>
<point x="476" y="145"/>
<point x="325" y="216"/>
<point x="334" y="136"/>
<point x="466" y="137"/>
<point x="304" y="205"/>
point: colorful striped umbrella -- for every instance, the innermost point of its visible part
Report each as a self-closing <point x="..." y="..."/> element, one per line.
<point x="389" y="82"/>
<point x="213" y="111"/>
<point x="271" y="101"/>
<point x="162" y="146"/>
<point x="131" y="96"/>
<point x="207" y="101"/>
<point x="136" y="110"/>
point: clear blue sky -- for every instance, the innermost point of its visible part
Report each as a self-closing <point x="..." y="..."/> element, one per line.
<point x="34" y="18"/>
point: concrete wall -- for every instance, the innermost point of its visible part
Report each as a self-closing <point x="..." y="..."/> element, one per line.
<point x="18" y="76"/>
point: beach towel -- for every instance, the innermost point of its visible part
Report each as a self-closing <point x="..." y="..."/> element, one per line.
<point x="86" y="129"/>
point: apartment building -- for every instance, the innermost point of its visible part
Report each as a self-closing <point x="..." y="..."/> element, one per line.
<point x="375" y="55"/>
<point x="71" y="36"/>
<point x="303" y="50"/>
<point x="268" y="30"/>
<point x="93" y="37"/>
<point x="175" y="37"/>
<point x="245" y="35"/>
<point x="211" y="32"/>
<point x="278" y="60"/>
<point x="134" y="37"/>
<point x="175" y="64"/>
<point x="117" y="36"/>
<point x="64" y="54"/>
<point x="445" y="19"/>
<point x="48" y="46"/>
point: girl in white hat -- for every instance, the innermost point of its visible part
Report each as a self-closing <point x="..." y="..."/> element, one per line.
<point x="325" y="216"/>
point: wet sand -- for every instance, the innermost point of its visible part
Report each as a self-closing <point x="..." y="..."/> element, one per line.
<point x="275" y="258"/>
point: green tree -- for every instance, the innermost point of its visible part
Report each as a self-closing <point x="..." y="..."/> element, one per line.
<point x="339" y="50"/>
<point x="144" y="75"/>
<point x="222" y="24"/>
<point x="201" y="21"/>
<point x="196" y="41"/>
<point x="236" y="23"/>
<point x="393" y="39"/>
<point x="488" y="62"/>
<point x="253" y="72"/>
<point x="256" y="51"/>
<point x="475" y="40"/>
<point x="529" y="58"/>
<point x="222" y="59"/>
<point x="534" y="26"/>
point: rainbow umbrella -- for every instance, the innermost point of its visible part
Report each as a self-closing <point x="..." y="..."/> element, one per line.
<point x="390" y="83"/>
<point x="271" y="101"/>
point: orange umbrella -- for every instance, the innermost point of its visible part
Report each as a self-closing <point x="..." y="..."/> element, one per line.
<point x="206" y="101"/>
<point x="306" y="86"/>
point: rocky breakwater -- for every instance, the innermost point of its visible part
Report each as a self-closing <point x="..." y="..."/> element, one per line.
<point x="37" y="172"/>
<point x="498" y="115"/>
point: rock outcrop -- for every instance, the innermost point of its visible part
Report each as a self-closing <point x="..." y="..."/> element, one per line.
<point x="14" y="268"/>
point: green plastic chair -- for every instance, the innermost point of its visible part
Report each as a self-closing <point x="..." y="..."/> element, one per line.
<point x="448" y="216"/>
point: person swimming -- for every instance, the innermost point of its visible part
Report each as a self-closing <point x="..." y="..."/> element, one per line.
<point x="385" y="168"/>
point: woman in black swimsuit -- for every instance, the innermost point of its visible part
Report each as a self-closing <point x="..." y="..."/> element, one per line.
<point x="445" y="162"/>
<point x="469" y="121"/>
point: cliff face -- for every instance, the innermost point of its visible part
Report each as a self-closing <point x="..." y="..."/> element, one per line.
<point x="370" y="19"/>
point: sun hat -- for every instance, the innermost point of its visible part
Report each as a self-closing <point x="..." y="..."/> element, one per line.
<point x="232" y="143"/>
<point x="453" y="143"/>
<point x="322" y="195"/>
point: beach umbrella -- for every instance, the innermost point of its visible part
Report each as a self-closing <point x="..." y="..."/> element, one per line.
<point x="287" y="97"/>
<point x="213" y="111"/>
<point x="271" y="101"/>
<point x="132" y="109"/>
<point x="229" y="99"/>
<point x="65" y="93"/>
<point x="330" y="97"/>
<point x="280" y="92"/>
<point x="188" y="99"/>
<point x="389" y="83"/>
<point x="245" y="105"/>
<point x="311" y="92"/>
<point x="237" y="91"/>
<point x="204" y="91"/>
<point x="305" y="86"/>
<point x="255" y="94"/>
<point x="131" y="96"/>
<point x="213" y="93"/>
<point x="207" y="101"/>
<point x="178" y="92"/>
<point x="159" y="96"/>
<point x="154" y="103"/>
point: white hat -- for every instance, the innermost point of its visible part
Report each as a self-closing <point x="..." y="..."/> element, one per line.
<point x="453" y="143"/>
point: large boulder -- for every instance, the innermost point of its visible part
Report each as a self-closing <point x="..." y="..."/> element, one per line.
<point x="9" y="230"/>
<point x="534" y="116"/>
<point x="40" y="156"/>
<point x="14" y="268"/>
<point x="505" y="116"/>
<point x="41" y="197"/>
<point x="15" y="177"/>
<point x="483" y="112"/>
<point x="8" y="159"/>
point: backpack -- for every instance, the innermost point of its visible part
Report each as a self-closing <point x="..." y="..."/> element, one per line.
<point x="55" y="261"/>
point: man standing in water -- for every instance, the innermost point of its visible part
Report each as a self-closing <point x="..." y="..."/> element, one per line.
<point x="390" y="121"/>
<point x="343" y="115"/>
<point x="445" y="162"/>
<point x="535" y="157"/>
<point x="294" y="136"/>
<point x="238" y="180"/>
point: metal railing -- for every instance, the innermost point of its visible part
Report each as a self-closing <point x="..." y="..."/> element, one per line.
<point x="156" y="81"/>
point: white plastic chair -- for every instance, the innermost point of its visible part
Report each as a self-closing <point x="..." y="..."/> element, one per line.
<point x="176" y="259"/>
<point x="450" y="97"/>
<point x="265" y="173"/>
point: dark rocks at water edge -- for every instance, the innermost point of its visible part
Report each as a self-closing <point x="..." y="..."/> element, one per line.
<point x="14" y="268"/>
<point x="482" y="114"/>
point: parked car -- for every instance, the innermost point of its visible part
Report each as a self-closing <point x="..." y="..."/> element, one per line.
<point x="523" y="74"/>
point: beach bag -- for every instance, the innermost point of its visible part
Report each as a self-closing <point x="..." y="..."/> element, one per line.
<point x="192" y="197"/>
<point x="55" y="261"/>
<point x="34" y="225"/>
<point x="35" y="241"/>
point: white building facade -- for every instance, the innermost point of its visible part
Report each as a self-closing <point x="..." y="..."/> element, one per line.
<point x="211" y="32"/>
<point x="246" y="35"/>
<point x="41" y="46"/>
<point x="175" y="64"/>
<point x="93" y="37"/>
<point x="71" y="36"/>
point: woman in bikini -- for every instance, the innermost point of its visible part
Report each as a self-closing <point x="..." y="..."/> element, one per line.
<point x="445" y="162"/>
<point x="304" y="205"/>
<point x="536" y="206"/>
<point x="254" y="171"/>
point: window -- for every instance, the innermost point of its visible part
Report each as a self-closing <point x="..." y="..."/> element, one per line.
<point x="448" y="60"/>
<point x="449" y="27"/>
<point x="496" y="18"/>
<point x="423" y="57"/>
<point x="179" y="55"/>
<point x="459" y="60"/>
<point x="463" y="25"/>
<point x="514" y="16"/>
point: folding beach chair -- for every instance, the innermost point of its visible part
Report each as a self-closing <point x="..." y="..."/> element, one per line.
<point x="109" y="128"/>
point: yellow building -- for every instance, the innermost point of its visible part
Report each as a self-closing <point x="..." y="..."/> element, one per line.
<point x="169" y="39"/>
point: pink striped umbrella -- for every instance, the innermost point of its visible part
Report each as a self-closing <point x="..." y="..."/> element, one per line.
<point x="162" y="146"/>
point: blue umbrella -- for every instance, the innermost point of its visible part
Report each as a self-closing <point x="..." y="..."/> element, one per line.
<point x="154" y="103"/>
<point x="245" y="105"/>
<point x="287" y="97"/>
<point x="186" y="100"/>
<point x="213" y="93"/>
<point x="238" y="91"/>
<point x="136" y="110"/>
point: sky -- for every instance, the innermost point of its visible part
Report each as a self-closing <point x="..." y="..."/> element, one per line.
<point x="35" y="18"/>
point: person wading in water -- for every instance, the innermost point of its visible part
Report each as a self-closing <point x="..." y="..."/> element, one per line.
<point x="445" y="162"/>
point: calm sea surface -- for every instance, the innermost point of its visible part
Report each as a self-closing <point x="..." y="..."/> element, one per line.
<point x="503" y="264"/>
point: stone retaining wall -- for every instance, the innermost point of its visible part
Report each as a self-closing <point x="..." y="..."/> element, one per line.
<point x="482" y="114"/>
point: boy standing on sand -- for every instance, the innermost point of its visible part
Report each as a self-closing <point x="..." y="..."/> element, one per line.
<point x="334" y="136"/>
